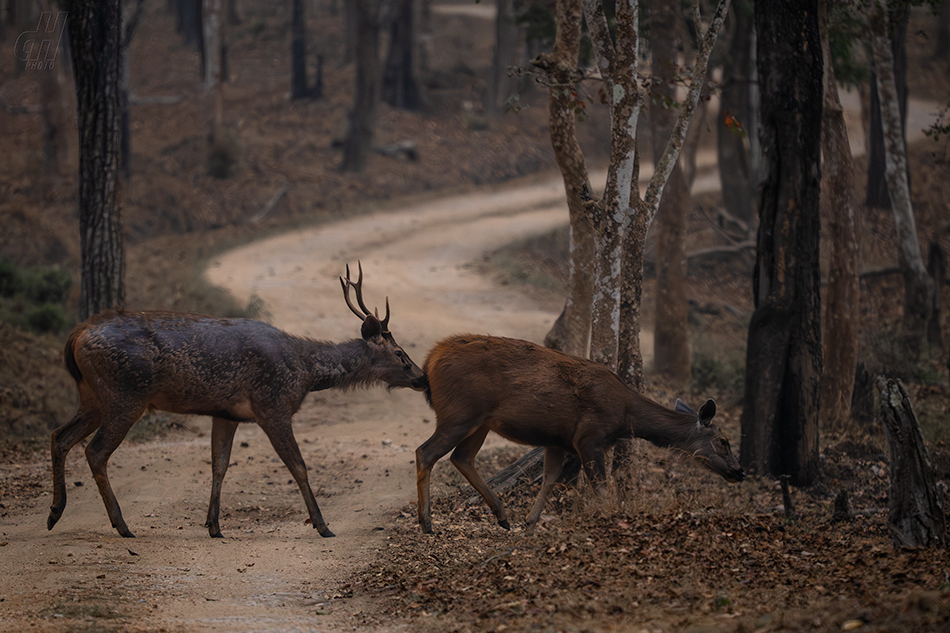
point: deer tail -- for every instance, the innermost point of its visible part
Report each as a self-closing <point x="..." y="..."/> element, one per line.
<point x="69" y="355"/>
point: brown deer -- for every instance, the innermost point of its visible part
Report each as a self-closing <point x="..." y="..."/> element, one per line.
<point x="235" y="370"/>
<point x="541" y="397"/>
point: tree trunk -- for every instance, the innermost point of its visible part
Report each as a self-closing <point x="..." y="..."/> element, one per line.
<point x="918" y="287"/>
<point x="55" y="103"/>
<point x="642" y="211"/>
<point x="837" y="199"/>
<point x="363" y="116"/>
<point x="783" y="368"/>
<point x="915" y="513"/>
<point x="670" y="330"/>
<point x="877" y="186"/>
<point x="736" y="114"/>
<point x="351" y="31"/>
<point x="298" y="52"/>
<point x="499" y="84"/>
<point x="401" y="88"/>
<point x="937" y="269"/>
<point x="611" y="216"/>
<point x="94" y="44"/>
<point x="571" y="331"/>
<point x="211" y="21"/>
<point x="188" y="23"/>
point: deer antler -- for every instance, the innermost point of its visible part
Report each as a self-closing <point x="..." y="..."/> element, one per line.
<point x="358" y="285"/>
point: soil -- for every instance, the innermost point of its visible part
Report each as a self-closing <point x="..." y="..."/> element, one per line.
<point x="673" y="548"/>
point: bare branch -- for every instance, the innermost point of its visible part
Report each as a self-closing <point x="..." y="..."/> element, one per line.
<point x="665" y="165"/>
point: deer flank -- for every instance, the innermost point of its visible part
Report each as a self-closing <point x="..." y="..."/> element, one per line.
<point x="234" y="370"/>
<point x="541" y="397"/>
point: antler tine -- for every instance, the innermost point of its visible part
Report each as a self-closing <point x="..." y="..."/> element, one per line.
<point x="346" y="294"/>
<point x="385" y="322"/>
<point x="359" y="289"/>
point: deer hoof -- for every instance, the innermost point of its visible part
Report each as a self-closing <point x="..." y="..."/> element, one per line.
<point x="326" y="533"/>
<point x="54" y="516"/>
<point x="504" y="523"/>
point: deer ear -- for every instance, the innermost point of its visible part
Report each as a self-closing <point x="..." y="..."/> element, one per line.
<point x="707" y="412"/>
<point x="682" y="407"/>
<point x="372" y="328"/>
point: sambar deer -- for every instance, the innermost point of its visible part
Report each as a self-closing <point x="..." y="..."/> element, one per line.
<point x="541" y="397"/>
<point x="235" y="370"/>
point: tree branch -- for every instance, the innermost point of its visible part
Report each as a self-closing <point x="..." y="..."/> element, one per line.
<point x="665" y="165"/>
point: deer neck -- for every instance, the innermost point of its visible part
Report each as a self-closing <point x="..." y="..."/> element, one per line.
<point x="337" y="365"/>
<point x="658" y="425"/>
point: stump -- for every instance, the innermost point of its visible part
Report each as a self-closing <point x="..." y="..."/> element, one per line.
<point x="915" y="509"/>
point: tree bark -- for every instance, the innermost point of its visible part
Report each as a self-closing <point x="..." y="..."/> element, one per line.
<point x="895" y="33"/>
<point x="504" y="54"/>
<point x="363" y="115"/>
<point x="94" y="43"/>
<point x="918" y="287"/>
<point x="783" y="368"/>
<point x="843" y="293"/>
<point x="211" y="21"/>
<point x="401" y="88"/>
<point x="736" y="114"/>
<point x="571" y="331"/>
<point x="670" y="329"/>
<point x="915" y="512"/>
<point x="298" y="52"/>
<point x="55" y="103"/>
<point x="642" y="211"/>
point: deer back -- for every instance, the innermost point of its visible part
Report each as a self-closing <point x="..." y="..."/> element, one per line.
<point x="527" y="393"/>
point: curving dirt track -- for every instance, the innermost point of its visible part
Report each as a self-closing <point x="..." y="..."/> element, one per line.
<point x="271" y="571"/>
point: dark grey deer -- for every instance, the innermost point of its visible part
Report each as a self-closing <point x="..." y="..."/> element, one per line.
<point x="541" y="397"/>
<point x="235" y="370"/>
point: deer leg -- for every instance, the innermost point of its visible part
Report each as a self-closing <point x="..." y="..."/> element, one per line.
<point x="553" y="464"/>
<point x="282" y="439"/>
<point x="463" y="458"/>
<point x="591" y="454"/>
<point x="62" y="441"/>
<point x="222" y="437"/>
<point x="447" y="436"/>
<point x="98" y="451"/>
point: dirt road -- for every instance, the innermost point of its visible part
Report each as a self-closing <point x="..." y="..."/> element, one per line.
<point x="273" y="572"/>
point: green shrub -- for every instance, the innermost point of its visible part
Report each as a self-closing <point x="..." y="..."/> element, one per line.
<point x="34" y="299"/>
<point x="48" y="285"/>
<point x="11" y="281"/>
<point x="48" y="317"/>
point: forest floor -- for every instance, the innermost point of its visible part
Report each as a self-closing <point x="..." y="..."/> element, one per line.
<point x="674" y="548"/>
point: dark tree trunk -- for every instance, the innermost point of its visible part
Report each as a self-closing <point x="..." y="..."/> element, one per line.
<point x="359" y="138"/>
<point x="499" y="84"/>
<point x="915" y="513"/>
<point x="188" y="22"/>
<point x="735" y="117"/>
<point x="94" y="43"/>
<point x="878" y="196"/>
<point x="298" y="53"/>
<point x="783" y="369"/>
<point x="351" y="31"/>
<point x="843" y="295"/>
<point x="401" y="88"/>
<point x="671" y="331"/>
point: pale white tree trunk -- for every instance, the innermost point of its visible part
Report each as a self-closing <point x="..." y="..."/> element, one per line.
<point x="918" y="286"/>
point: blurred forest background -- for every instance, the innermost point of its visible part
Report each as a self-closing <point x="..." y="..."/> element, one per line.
<point x="214" y="161"/>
